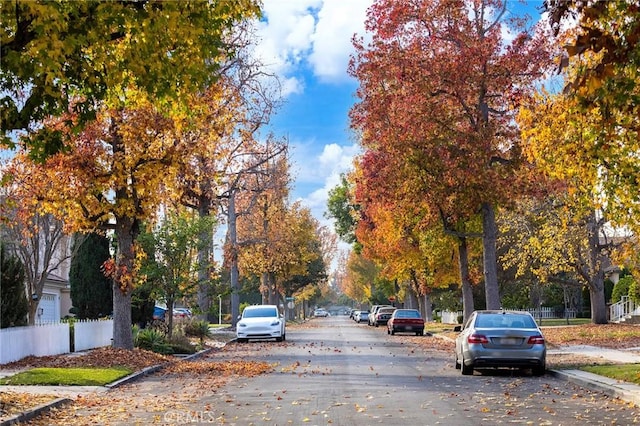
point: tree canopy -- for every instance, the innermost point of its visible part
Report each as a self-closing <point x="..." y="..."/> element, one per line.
<point x="439" y="89"/>
<point x="78" y="54"/>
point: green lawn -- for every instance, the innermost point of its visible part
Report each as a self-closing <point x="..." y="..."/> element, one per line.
<point x="627" y="372"/>
<point x="67" y="376"/>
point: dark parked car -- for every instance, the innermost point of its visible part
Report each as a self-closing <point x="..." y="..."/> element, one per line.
<point x="382" y="316"/>
<point x="407" y="320"/>
<point x="491" y="339"/>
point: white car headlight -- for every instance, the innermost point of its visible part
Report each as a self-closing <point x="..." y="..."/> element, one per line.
<point x="240" y="324"/>
<point x="275" y="322"/>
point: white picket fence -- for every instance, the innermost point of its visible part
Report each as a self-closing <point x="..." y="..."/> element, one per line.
<point x="53" y="339"/>
<point x="92" y="334"/>
<point x="544" y="312"/>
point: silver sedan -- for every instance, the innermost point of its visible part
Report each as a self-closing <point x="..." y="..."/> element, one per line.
<point x="491" y="339"/>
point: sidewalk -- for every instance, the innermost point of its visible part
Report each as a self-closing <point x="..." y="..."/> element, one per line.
<point x="626" y="391"/>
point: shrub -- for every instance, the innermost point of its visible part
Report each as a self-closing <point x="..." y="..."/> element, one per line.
<point x="634" y="289"/>
<point x="14" y="306"/>
<point x="197" y="328"/>
<point x="181" y="345"/>
<point x="152" y="340"/>
<point x="621" y="288"/>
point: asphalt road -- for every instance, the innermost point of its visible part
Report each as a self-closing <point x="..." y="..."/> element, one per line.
<point x="342" y="373"/>
<point x="332" y="371"/>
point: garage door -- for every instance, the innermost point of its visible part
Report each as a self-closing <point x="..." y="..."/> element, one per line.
<point x="47" y="311"/>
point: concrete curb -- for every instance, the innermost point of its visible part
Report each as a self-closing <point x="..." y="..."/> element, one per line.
<point x="35" y="412"/>
<point x="623" y="390"/>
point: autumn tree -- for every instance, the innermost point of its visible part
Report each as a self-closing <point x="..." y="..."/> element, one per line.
<point x="37" y="237"/>
<point x="569" y="144"/>
<point x="607" y="32"/>
<point x="232" y="112"/>
<point x="439" y="89"/>
<point x="112" y="173"/>
<point x="57" y="55"/>
<point x="307" y="245"/>
<point x="276" y="239"/>
<point x="600" y="68"/>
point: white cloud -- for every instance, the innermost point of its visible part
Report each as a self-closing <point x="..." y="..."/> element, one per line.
<point x="315" y="33"/>
<point x="324" y="172"/>
<point x="338" y="20"/>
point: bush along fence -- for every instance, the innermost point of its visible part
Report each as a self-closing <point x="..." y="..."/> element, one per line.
<point x="54" y="339"/>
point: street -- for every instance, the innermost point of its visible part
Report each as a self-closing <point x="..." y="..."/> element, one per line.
<point x="343" y="373"/>
<point x="332" y="371"/>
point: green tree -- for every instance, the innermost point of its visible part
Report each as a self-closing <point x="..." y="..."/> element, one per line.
<point x="626" y="286"/>
<point x="342" y="210"/>
<point x="171" y="257"/>
<point x="91" y="291"/>
<point x="14" y="306"/>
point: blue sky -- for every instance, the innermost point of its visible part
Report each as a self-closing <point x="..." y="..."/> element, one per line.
<point x="307" y="43"/>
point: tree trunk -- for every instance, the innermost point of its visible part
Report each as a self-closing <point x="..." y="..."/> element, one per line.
<point x="265" y="291"/>
<point x="274" y="296"/>
<point x="126" y="233"/>
<point x="232" y="243"/>
<point x="596" y="273"/>
<point x="467" y="291"/>
<point x="169" y="316"/>
<point x="122" y="336"/>
<point x="428" y="307"/>
<point x="489" y="237"/>
<point x="204" y="255"/>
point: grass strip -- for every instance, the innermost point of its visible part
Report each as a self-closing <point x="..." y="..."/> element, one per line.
<point x="67" y="376"/>
<point x="626" y="372"/>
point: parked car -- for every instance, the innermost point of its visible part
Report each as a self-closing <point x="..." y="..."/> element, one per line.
<point x="407" y="320"/>
<point x="492" y="339"/>
<point x="373" y="311"/>
<point x="182" y="313"/>
<point x="382" y="316"/>
<point x="320" y="313"/>
<point x="261" y="322"/>
<point x="362" y="316"/>
<point x="159" y="313"/>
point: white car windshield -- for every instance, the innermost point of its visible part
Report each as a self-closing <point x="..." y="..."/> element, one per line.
<point x="260" y="313"/>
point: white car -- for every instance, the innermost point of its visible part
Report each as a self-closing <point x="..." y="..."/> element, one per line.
<point x="261" y="322"/>
<point x="320" y="313"/>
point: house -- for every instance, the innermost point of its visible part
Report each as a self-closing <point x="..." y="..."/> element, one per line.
<point x="55" y="302"/>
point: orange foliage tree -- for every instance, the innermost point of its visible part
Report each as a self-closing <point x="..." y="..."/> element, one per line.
<point x="439" y="88"/>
